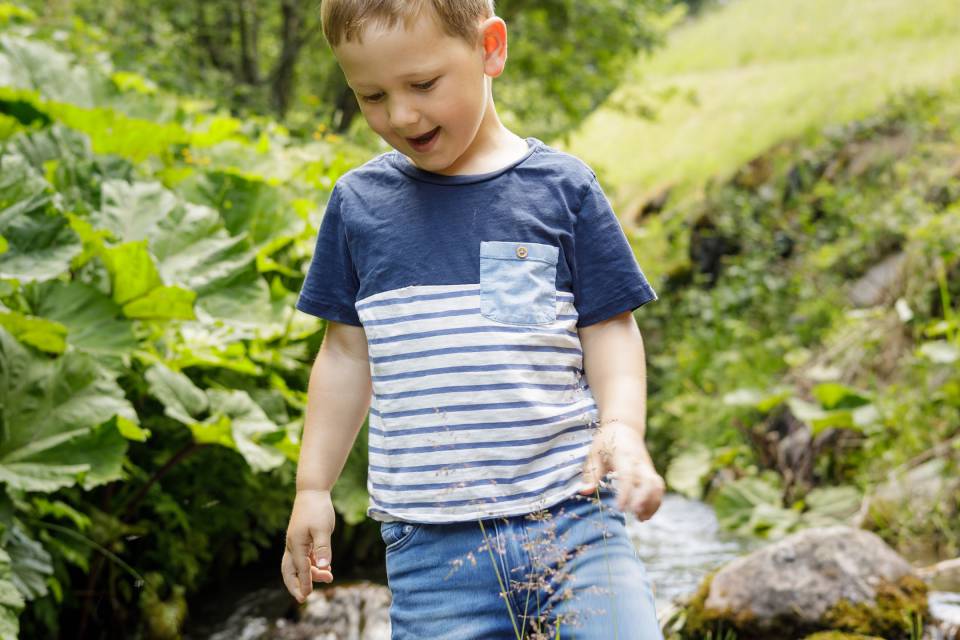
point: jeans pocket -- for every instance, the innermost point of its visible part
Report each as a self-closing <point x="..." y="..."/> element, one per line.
<point x="395" y="534"/>
<point x="518" y="281"/>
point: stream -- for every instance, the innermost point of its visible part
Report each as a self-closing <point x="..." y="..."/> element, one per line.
<point x="679" y="546"/>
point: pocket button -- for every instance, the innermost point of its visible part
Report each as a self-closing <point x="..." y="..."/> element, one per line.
<point x="521" y="252"/>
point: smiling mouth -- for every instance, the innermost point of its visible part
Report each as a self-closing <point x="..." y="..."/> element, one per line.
<point x="427" y="137"/>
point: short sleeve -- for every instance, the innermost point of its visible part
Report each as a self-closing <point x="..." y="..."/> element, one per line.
<point x="606" y="277"/>
<point x="331" y="284"/>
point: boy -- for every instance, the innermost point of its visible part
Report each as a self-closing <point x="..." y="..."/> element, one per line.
<point x="471" y="278"/>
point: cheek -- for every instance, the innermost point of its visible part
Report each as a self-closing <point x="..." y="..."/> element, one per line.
<point x="376" y="118"/>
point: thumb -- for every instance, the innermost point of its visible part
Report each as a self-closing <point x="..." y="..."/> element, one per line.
<point x="321" y="551"/>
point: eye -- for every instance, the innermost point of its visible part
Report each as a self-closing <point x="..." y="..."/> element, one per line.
<point x="426" y="85"/>
<point x="372" y="98"/>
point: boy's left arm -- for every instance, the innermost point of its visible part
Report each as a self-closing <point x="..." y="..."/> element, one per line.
<point x="615" y="366"/>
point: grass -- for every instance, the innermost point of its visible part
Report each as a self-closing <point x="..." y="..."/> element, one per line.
<point x="763" y="71"/>
<point x="549" y="554"/>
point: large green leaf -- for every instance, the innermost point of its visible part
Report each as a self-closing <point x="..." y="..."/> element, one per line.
<point x="65" y="158"/>
<point x="248" y="205"/>
<point x="30" y="562"/>
<point x="131" y="211"/>
<point x="245" y="300"/>
<point x="249" y="427"/>
<point x="53" y="413"/>
<point x="195" y="250"/>
<point x="182" y="400"/>
<point x="94" y="322"/>
<point x="166" y="303"/>
<point x="11" y="602"/>
<point x="132" y="269"/>
<point x="749" y="505"/>
<point x="687" y="471"/>
<point x="29" y="64"/>
<point x="39" y="238"/>
<point x="191" y="246"/>
<point x="828" y="506"/>
<point x="41" y="333"/>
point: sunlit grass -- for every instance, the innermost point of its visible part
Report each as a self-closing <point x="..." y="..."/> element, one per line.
<point x="763" y="71"/>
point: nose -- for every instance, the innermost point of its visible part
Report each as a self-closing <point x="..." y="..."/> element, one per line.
<point x="402" y="116"/>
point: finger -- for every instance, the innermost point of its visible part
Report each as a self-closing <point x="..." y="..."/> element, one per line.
<point x="321" y="575"/>
<point x="289" y="573"/>
<point x="299" y="553"/>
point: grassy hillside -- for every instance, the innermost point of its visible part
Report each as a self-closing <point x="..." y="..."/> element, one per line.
<point x="762" y="71"/>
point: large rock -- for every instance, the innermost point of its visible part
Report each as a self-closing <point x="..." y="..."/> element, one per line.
<point x="348" y="612"/>
<point x="819" y="579"/>
<point x="358" y="611"/>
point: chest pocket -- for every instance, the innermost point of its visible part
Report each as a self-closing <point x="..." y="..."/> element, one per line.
<point x="518" y="282"/>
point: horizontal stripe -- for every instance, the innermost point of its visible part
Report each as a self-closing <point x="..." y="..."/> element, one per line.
<point x="488" y="406"/>
<point x="440" y="504"/>
<point x="465" y="330"/>
<point x="421" y="316"/>
<point x="475" y="388"/>
<point x="367" y="303"/>
<point x="455" y="408"/>
<point x="423" y="486"/>
<point x="475" y="425"/>
<point x="442" y="314"/>
<point x="472" y="349"/>
<point x="517" y="395"/>
<point x="501" y="462"/>
<point x="474" y="368"/>
<point x="460" y="446"/>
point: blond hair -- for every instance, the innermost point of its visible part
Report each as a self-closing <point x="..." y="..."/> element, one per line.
<point x="346" y="19"/>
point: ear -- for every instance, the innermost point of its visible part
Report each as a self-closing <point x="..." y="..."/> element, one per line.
<point x="493" y="36"/>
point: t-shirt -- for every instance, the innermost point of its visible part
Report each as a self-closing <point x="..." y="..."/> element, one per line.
<point x="470" y="289"/>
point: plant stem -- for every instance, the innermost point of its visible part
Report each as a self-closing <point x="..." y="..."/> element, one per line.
<point x="500" y="581"/>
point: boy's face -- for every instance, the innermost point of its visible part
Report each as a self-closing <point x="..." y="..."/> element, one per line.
<point x="411" y="83"/>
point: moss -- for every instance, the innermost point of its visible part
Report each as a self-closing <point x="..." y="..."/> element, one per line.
<point x="892" y="616"/>
<point x="700" y="621"/>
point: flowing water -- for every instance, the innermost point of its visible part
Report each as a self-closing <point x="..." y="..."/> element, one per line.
<point x="680" y="544"/>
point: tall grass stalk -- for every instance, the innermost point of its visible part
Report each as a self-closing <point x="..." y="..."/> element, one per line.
<point x="503" y="590"/>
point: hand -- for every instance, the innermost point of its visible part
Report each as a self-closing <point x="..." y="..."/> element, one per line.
<point x="619" y="448"/>
<point x="307" y="555"/>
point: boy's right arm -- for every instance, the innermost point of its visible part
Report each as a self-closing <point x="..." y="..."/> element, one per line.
<point x="338" y="398"/>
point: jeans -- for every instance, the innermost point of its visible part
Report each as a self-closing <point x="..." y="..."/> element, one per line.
<point x="571" y="564"/>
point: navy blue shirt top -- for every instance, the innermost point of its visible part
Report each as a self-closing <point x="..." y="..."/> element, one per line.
<point x="470" y="289"/>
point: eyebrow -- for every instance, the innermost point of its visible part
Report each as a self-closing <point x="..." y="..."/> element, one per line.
<point x="423" y="72"/>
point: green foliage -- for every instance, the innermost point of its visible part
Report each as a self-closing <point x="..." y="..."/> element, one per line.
<point x="152" y="365"/>
<point x="768" y="341"/>
<point x="566" y="57"/>
<point x="740" y="80"/>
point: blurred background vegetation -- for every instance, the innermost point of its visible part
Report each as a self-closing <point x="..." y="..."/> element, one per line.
<point x="789" y="174"/>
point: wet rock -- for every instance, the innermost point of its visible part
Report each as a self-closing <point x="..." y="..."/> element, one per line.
<point x="882" y="283"/>
<point x="358" y="611"/>
<point x="349" y="612"/>
<point x="830" y="578"/>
